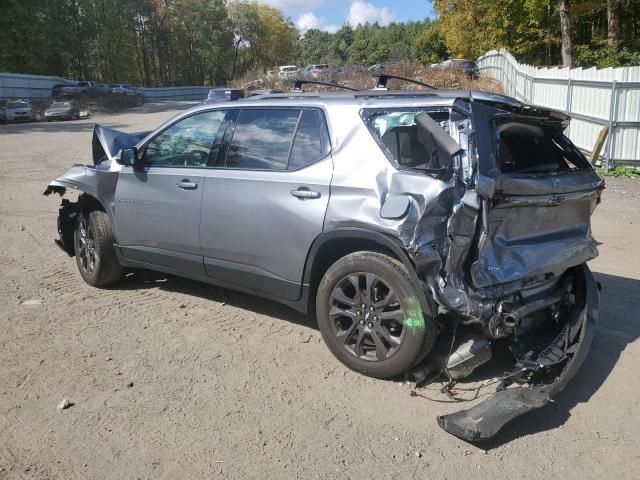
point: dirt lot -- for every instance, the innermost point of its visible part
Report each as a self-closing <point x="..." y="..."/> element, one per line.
<point x="172" y="379"/>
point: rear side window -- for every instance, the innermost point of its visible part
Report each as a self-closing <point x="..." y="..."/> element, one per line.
<point x="307" y="146"/>
<point x="262" y="139"/>
<point x="276" y="139"/>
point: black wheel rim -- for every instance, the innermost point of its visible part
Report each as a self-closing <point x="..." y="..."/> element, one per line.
<point x="367" y="317"/>
<point x="86" y="247"/>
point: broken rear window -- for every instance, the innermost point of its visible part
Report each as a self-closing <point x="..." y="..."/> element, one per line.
<point x="398" y="132"/>
<point x="524" y="147"/>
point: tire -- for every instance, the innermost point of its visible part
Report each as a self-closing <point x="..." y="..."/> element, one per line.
<point x="93" y="242"/>
<point x="392" y="333"/>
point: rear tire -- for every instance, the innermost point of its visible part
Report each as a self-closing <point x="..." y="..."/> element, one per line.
<point x="391" y="333"/>
<point x="94" y="248"/>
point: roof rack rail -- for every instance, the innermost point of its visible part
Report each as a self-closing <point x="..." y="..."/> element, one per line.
<point x="299" y="82"/>
<point x="383" y="78"/>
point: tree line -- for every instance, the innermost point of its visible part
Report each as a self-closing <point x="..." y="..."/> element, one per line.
<point x="600" y="33"/>
<point x="208" y="42"/>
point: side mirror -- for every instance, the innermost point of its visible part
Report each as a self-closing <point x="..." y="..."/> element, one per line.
<point x="130" y="157"/>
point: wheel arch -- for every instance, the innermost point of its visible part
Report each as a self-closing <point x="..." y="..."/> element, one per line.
<point x="335" y="244"/>
<point x="68" y="211"/>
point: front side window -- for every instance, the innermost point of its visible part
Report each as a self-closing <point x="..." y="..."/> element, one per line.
<point x="187" y="143"/>
<point x="262" y="139"/>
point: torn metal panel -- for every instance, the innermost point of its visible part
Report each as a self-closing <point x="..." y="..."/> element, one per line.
<point x="107" y="142"/>
<point x="99" y="182"/>
<point x="566" y="353"/>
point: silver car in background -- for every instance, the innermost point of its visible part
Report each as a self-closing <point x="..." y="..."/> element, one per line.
<point x="424" y="229"/>
<point x="19" y="111"/>
<point x="61" y="111"/>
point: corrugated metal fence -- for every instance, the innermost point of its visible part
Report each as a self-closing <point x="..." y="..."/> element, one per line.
<point x="593" y="97"/>
<point x="175" y="93"/>
<point x="17" y="85"/>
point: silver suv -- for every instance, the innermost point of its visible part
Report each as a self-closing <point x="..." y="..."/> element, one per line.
<point x="403" y="219"/>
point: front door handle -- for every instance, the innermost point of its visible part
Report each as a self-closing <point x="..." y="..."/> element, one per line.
<point x="187" y="185"/>
<point x="304" y="193"/>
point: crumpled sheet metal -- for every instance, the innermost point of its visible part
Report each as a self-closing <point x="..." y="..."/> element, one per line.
<point x="107" y="142"/>
<point x="485" y="420"/>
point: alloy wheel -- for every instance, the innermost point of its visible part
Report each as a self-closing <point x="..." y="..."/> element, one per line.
<point x="367" y="316"/>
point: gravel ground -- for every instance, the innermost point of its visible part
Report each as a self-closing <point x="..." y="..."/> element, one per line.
<point x="173" y="379"/>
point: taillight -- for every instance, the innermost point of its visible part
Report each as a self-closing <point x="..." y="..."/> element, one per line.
<point x="599" y="192"/>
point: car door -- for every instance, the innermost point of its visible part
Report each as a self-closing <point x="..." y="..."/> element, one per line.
<point x="158" y="209"/>
<point x="265" y="203"/>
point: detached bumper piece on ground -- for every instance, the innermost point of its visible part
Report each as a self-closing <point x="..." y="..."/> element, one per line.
<point x="546" y="372"/>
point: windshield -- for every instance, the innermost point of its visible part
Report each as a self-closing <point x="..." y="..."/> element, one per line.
<point x="18" y="105"/>
<point x="60" y="105"/>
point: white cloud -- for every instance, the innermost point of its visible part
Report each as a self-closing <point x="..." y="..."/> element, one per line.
<point x="297" y="6"/>
<point x="307" y="21"/>
<point x="310" y="20"/>
<point x="362" y="12"/>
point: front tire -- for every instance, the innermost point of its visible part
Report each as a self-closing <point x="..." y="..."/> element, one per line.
<point x="370" y="315"/>
<point x="94" y="248"/>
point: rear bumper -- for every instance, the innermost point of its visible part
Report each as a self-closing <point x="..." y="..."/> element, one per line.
<point x="486" y="419"/>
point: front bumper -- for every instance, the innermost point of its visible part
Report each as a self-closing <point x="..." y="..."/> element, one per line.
<point x="486" y="419"/>
<point x="20" y="118"/>
<point x="58" y="116"/>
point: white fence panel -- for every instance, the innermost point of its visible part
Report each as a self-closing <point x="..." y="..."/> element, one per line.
<point x="175" y="93"/>
<point x="17" y="85"/>
<point x="593" y="97"/>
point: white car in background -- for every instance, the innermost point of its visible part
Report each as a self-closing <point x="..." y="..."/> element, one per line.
<point x="122" y="89"/>
<point x="288" y="71"/>
<point x="19" y="111"/>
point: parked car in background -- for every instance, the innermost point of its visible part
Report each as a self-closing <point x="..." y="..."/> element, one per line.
<point x="315" y="71"/>
<point x="122" y="89"/>
<point x="61" y="111"/>
<point x="89" y="87"/>
<point x="384" y="66"/>
<point x="272" y="74"/>
<point x="468" y="67"/>
<point x="19" y="111"/>
<point x="288" y="71"/>
<point x="268" y="91"/>
<point x="56" y="90"/>
<point x="217" y="95"/>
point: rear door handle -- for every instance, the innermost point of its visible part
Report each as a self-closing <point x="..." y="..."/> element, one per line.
<point x="187" y="185"/>
<point x="304" y="193"/>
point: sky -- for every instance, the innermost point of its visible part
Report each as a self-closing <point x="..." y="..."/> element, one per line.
<point x="331" y="14"/>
